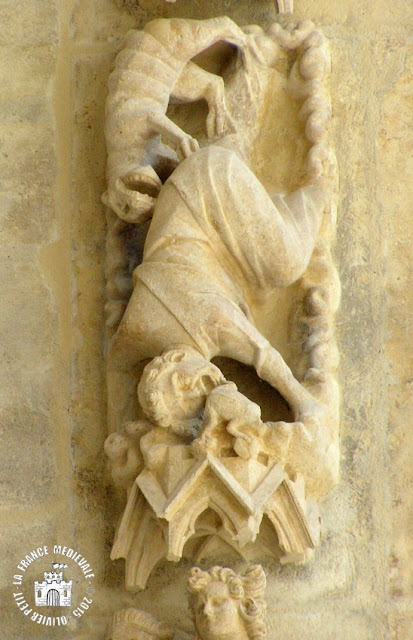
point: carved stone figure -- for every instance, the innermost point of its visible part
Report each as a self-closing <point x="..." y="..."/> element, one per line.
<point x="179" y="386"/>
<point x="207" y="252"/>
<point x="223" y="605"/>
<point x="219" y="246"/>
<point x="227" y="605"/>
<point x="210" y="452"/>
<point x="153" y="68"/>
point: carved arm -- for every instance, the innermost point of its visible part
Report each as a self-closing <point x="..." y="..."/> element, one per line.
<point x="185" y="143"/>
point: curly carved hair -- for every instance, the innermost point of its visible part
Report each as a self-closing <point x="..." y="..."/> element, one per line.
<point x="247" y="588"/>
<point x="151" y="397"/>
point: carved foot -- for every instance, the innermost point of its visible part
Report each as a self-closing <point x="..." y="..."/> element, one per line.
<point x="203" y="445"/>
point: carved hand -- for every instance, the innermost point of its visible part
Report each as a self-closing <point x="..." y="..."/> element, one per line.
<point x="187" y="146"/>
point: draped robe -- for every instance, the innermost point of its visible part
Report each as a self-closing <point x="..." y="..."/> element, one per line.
<point x="217" y="239"/>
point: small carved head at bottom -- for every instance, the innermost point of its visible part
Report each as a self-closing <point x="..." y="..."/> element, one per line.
<point x="226" y="605"/>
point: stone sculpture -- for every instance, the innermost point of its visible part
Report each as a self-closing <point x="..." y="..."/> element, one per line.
<point x="153" y="68"/>
<point x="203" y="465"/>
<point x="227" y="605"/>
<point x="223" y="605"/>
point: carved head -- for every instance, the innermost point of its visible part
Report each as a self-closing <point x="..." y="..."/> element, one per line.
<point x="173" y="389"/>
<point x="226" y="605"/>
<point x="132" y="196"/>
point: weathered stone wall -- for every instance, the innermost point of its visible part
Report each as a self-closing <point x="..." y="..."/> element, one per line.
<point x="55" y="61"/>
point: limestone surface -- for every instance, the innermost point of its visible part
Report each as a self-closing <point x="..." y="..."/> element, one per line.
<point x="56" y="59"/>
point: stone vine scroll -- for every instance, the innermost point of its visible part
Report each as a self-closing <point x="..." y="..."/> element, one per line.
<point x="221" y="357"/>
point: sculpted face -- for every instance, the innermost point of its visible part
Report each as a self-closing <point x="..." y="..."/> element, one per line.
<point x="181" y="388"/>
<point x="217" y="616"/>
<point x="187" y="394"/>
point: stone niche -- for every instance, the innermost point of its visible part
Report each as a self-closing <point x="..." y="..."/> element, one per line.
<point x="221" y="291"/>
<point x="56" y="60"/>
